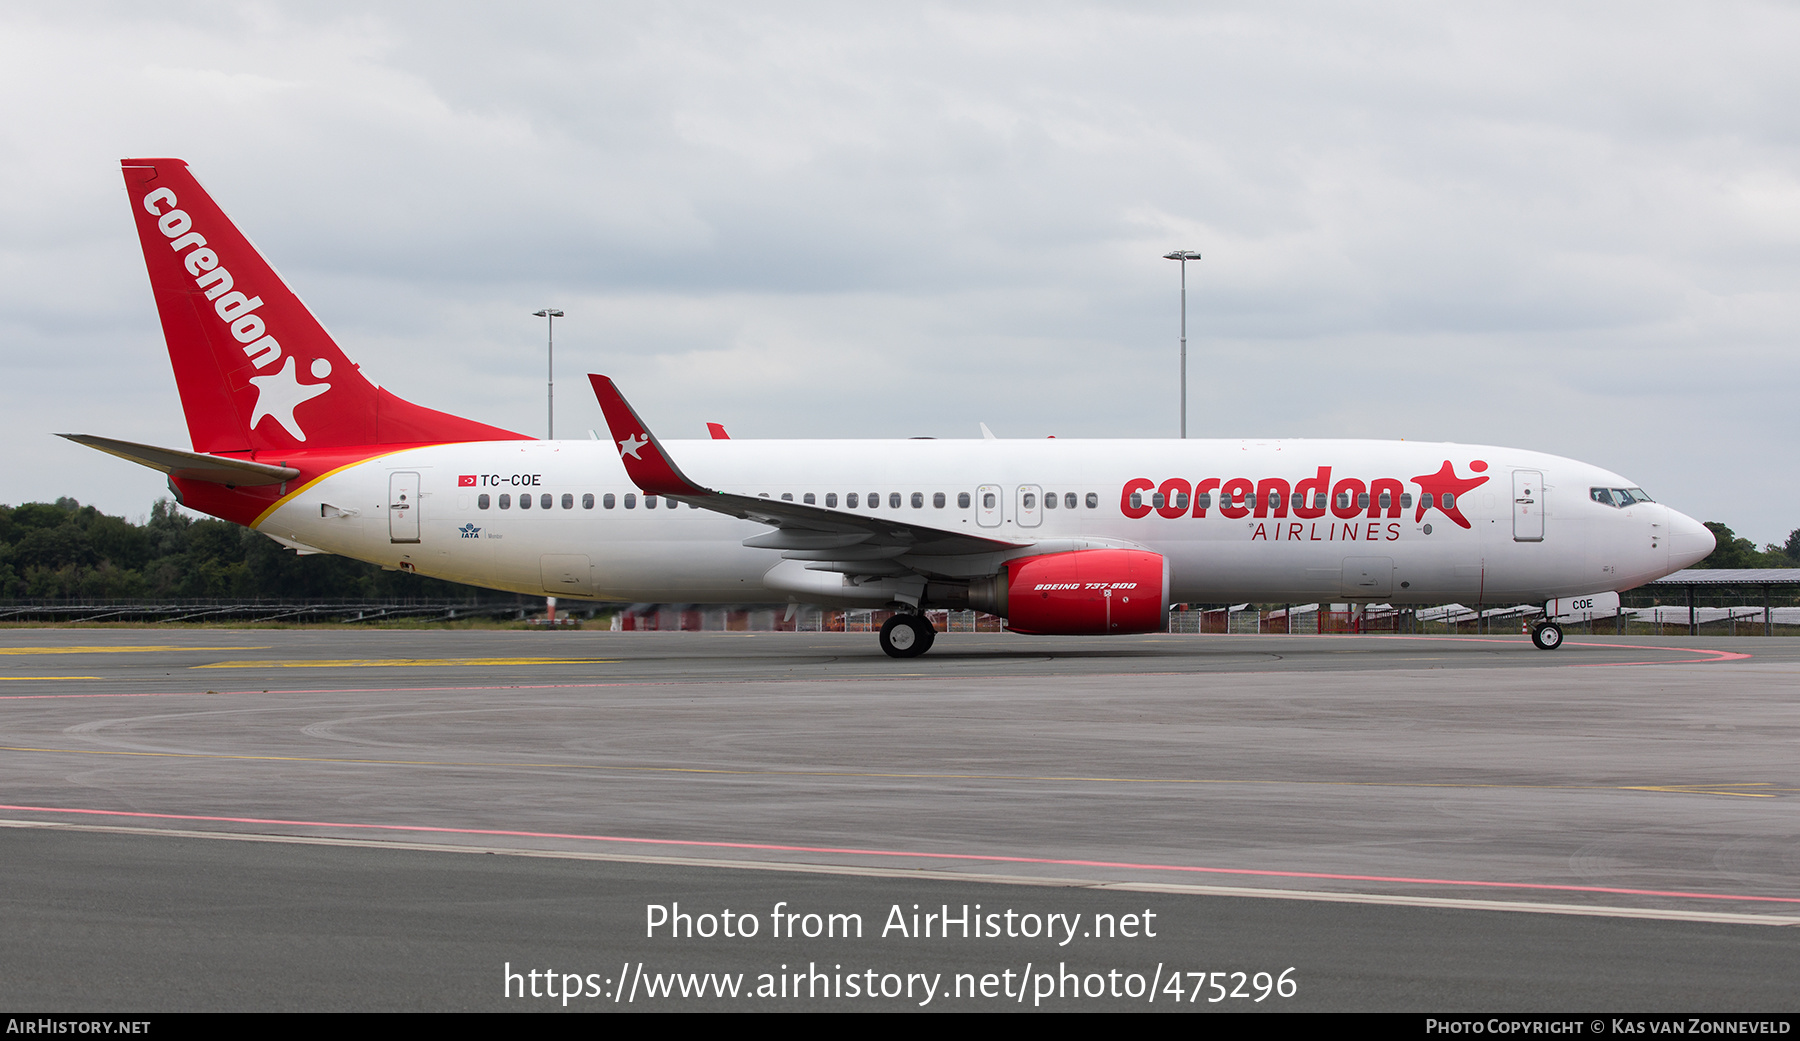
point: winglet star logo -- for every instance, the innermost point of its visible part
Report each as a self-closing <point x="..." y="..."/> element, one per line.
<point x="279" y="394"/>
<point x="632" y="446"/>
<point x="1445" y="482"/>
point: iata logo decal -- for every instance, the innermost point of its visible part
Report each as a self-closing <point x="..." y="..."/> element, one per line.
<point x="1309" y="499"/>
<point x="277" y="393"/>
<point x="470" y="531"/>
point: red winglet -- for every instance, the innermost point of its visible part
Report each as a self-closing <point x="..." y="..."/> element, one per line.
<point x="648" y="466"/>
<point x="717" y="430"/>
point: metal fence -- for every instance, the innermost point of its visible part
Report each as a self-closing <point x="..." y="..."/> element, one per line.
<point x="266" y="610"/>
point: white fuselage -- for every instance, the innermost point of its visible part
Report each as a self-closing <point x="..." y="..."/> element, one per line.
<point x="1368" y="550"/>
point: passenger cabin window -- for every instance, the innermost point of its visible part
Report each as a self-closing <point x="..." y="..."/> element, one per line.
<point x="1069" y="501"/>
<point x="1137" y="500"/>
<point x="962" y="500"/>
<point x="1181" y="500"/>
<point x="1406" y="500"/>
<point x="874" y="500"/>
<point x="1205" y="500"/>
<point x="1449" y="501"/>
<point x="1362" y="500"/>
<point x="850" y="501"/>
<point x="587" y="501"/>
<point x="505" y="501"/>
<point x="631" y="500"/>
<point x="937" y="500"/>
<point x="809" y="499"/>
<point x="1030" y="501"/>
<point x="988" y="501"/>
<point x="609" y="501"/>
<point x="918" y="500"/>
<point x="1049" y="500"/>
<point x="893" y="500"/>
<point x="482" y="501"/>
<point x="649" y="502"/>
<point x="1093" y="500"/>
<point x="831" y="499"/>
<point x="525" y="501"/>
<point x="568" y="501"/>
<point x="787" y="496"/>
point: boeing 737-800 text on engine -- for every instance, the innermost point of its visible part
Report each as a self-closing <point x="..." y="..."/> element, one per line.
<point x="1057" y="536"/>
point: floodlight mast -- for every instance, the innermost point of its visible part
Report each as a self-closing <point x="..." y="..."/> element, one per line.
<point x="550" y="315"/>
<point x="1183" y="255"/>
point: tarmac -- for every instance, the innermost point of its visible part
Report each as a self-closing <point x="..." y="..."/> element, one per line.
<point x="311" y="819"/>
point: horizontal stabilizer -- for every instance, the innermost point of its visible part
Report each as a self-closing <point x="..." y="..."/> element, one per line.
<point x="190" y="466"/>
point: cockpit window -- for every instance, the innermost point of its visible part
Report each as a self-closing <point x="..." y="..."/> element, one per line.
<point x="1619" y="497"/>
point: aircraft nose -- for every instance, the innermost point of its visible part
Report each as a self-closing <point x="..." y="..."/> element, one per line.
<point x="1689" y="540"/>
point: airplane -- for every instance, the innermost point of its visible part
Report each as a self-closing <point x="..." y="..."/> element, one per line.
<point x="1057" y="536"/>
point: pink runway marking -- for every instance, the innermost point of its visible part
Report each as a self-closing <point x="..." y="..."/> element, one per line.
<point x="1715" y="655"/>
<point x="991" y="858"/>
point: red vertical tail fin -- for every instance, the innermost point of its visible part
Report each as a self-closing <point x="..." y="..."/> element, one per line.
<point x="255" y="369"/>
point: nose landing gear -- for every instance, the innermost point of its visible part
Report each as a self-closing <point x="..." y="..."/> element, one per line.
<point x="907" y="636"/>
<point x="1546" y="636"/>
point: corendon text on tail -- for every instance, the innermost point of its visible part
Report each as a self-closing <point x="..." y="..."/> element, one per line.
<point x="1057" y="536"/>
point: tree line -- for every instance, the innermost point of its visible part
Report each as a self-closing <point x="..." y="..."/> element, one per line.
<point x="1735" y="552"/>
<point x="65" y="551"/>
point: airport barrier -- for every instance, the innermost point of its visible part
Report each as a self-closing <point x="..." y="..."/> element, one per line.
<point x="273" y="610"/>
<point x="1657" y="619"/>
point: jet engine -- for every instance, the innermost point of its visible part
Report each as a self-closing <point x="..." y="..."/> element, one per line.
<point x="1084" y="592"/>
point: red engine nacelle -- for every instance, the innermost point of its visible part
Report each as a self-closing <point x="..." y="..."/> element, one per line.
<point x="1084" y="592"/>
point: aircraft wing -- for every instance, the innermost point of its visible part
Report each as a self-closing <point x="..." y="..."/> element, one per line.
<point x="803" y="532"/>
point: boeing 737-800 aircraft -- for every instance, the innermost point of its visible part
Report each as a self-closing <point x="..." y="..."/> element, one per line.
<point x="1057" y="536"/>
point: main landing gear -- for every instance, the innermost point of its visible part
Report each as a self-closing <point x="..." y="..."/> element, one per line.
<point x="1546" y="636"/>
<point x="907" y="636"/>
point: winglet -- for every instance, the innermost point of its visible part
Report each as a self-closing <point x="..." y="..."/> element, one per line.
<point x="717" y="430"/>
<point x="648" y="466"/>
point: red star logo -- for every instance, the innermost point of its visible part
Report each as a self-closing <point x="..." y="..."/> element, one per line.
<point x="1446" y="481"/>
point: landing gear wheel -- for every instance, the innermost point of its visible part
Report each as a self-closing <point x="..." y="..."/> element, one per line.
<point x="906" y="636"/>
<point x="1547" y="636"/>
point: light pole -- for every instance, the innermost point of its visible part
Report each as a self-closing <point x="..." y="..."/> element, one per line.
<point x="550" y="315"/>
<point x="1183" y="255"/>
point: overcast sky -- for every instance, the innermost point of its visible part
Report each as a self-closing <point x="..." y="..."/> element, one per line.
<point x="1571" y="228"/>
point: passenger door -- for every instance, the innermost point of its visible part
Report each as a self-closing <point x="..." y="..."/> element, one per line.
<point x="1528" y="506"/>
<point x="403" y="507"/>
